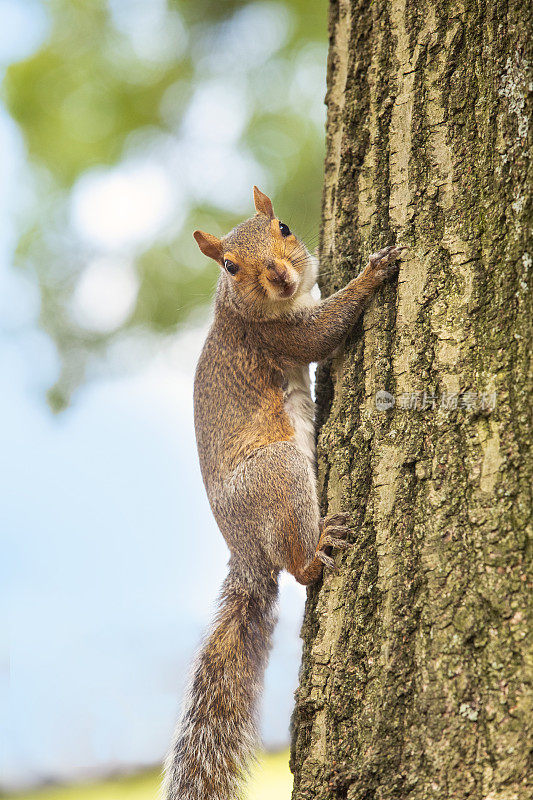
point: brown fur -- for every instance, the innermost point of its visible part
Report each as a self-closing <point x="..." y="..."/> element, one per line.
<point x="260" y="483"/>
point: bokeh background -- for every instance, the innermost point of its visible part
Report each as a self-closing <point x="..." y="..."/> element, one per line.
<point x="124" y="125"/>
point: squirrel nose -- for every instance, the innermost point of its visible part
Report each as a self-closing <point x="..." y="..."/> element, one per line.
<point x="278" y="274"/>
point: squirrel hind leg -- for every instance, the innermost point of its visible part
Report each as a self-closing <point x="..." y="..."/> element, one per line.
<point x="279" y="517"/>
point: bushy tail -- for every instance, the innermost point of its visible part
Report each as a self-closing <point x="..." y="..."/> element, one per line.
<point x="217" y="735"/>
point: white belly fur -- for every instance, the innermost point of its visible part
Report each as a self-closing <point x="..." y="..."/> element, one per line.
<point x="299" y="404"/>
<point x="300" y="409"/>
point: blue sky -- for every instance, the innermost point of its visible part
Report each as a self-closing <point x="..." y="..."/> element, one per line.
<point x="112" y="564"/>
<point x="111" y="559"/>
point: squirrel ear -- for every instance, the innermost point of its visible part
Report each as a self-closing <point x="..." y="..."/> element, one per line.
<point x="263" y="204"/>
<point x="209" y="245"/>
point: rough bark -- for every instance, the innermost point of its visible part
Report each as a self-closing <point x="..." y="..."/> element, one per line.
<point x="417" y="670"/>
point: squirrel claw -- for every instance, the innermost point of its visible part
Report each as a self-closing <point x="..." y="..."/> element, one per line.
<point x="335" y="519"/>
<point x="326" y="560"/>
<point x="342" y="544"/>
<point x="381" y="254"/>
<point x="392" y="251"/>
<point x="333" y="533"/>
<point x="385" y="259"/>
<point x="340" y="530"/>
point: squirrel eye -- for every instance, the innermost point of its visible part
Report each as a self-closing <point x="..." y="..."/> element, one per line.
<point x="230" y="267"/>
<point x="285" y="230"/>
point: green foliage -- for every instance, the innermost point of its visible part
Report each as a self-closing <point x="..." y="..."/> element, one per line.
<point x="107" y="89"/>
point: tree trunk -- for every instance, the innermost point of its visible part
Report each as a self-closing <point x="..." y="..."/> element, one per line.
<point x="415" y="679"/>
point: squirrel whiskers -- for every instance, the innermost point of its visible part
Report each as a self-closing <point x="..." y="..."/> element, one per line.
<point x="254" y="423"/>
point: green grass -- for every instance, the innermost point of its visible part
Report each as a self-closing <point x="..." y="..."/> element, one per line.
<point x="270" y="780"/>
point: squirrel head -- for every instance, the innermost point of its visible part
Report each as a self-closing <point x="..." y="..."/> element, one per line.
<point x="265" y="266"/>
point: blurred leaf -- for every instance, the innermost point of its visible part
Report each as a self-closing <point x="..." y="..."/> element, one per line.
<point x="117" y="83"/>
<point x="168" y="294"/>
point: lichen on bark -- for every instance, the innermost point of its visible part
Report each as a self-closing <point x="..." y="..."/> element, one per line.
<point x="416" y="672"/>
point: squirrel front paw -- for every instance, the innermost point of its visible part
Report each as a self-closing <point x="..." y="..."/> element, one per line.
<point x="384" y="263"/>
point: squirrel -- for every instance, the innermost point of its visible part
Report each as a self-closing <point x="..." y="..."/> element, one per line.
<point x="254" y="424"/>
